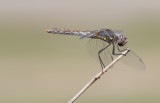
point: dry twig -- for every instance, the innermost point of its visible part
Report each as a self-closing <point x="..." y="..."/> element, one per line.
<point x="96" y="77"/>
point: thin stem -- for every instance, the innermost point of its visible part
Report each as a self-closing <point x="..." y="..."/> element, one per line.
<point x="96" y="77"/>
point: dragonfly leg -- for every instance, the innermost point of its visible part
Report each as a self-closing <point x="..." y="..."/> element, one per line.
<point x="101" y="62"/>
<point x="120" y="49"/>
<point x="113" y="51"/>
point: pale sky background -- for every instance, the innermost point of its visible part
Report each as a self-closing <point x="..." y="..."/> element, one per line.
<point x="83" y="11"/>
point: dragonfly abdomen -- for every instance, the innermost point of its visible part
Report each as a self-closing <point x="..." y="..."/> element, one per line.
<point x="67" y="32"/>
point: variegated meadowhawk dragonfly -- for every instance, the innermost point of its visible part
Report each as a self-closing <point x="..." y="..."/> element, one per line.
<point x="99" y="42"/>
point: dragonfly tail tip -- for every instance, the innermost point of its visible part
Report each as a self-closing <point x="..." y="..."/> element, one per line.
<point x="48" y="31"/>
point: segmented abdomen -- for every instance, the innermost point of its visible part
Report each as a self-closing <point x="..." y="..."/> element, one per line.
<point x="68" y="31"/>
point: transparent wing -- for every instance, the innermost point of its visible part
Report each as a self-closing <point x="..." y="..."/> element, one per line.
<point x="133" y="60"/>
<point x="95" y="45"/>
<point x="89" y="34"/>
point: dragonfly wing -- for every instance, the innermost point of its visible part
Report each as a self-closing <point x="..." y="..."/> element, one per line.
<point x="89" y="34"/>
<point x="133" y="60"/>
<point x="95" y="45"/>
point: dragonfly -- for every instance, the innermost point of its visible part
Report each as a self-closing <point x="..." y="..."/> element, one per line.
<point x="99" y="43"/>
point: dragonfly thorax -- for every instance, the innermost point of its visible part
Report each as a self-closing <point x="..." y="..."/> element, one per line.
<point x="106" y="35"/>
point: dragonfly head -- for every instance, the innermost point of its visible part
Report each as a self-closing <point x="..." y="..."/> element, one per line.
<point x="122" y="40"/>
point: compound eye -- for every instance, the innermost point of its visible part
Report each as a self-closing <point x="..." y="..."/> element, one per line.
<point x="120" y="44"/>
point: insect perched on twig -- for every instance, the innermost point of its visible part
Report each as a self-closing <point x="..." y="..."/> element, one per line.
<point x="99" y="42"/>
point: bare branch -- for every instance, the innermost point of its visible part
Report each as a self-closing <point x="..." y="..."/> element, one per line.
<point x="96" y="77"/>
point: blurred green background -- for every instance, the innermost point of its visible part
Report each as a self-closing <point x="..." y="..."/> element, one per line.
<point x="36" y="67"/>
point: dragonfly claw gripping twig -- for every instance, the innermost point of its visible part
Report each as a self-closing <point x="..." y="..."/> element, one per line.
<point x="96" y="77"/>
